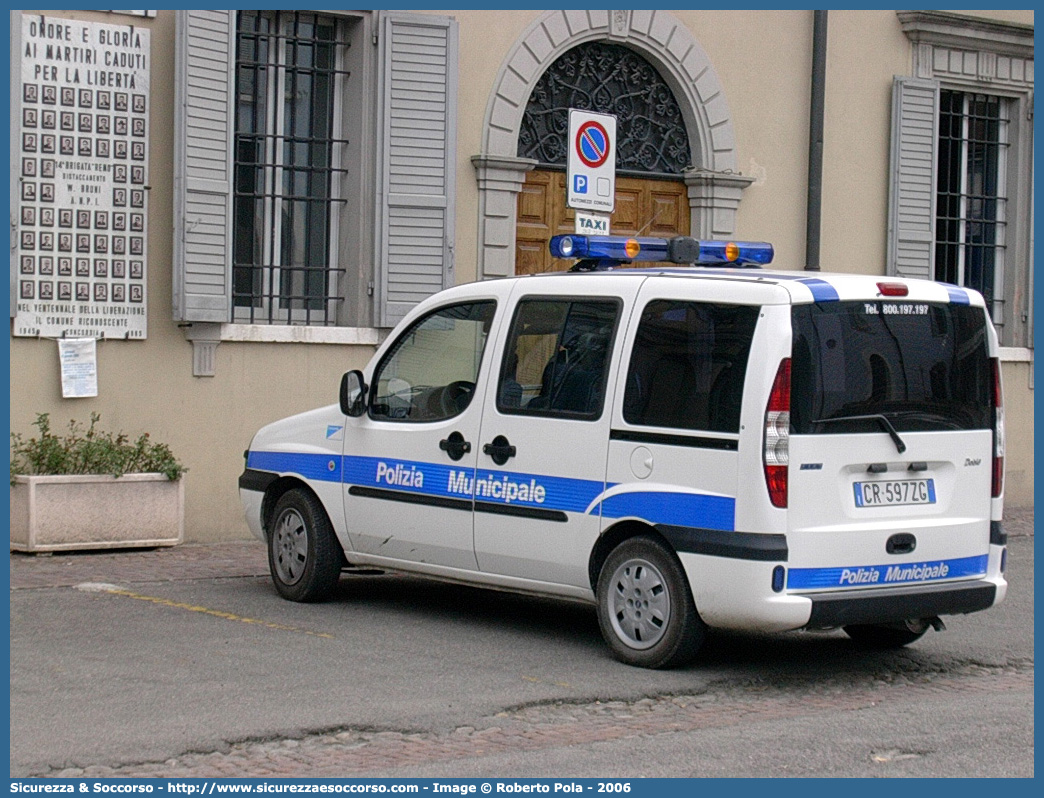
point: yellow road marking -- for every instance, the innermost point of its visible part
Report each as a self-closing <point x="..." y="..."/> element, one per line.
<point x="228" y="616"/>
<point x="536" y="680"/>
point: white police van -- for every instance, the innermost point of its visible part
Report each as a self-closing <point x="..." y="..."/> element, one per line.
<point x="687" y="446"/>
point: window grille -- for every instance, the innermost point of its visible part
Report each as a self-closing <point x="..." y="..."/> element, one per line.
<point x="288" y="162"/>
<point x="971" y="201"/>
<point x="610" y="79"/>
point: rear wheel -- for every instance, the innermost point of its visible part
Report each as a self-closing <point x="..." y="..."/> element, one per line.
<point x="645" y="609"/>
<point x="304" y="556"/>
<point x="884" y="636"/>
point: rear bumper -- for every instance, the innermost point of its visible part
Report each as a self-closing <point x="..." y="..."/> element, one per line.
<point x="896" y="604"/>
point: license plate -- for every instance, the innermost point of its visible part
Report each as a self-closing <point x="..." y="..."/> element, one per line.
<point x="894" y="493"/>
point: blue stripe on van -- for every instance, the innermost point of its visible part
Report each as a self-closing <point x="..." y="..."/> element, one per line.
<point x="890" y="574"/>
<point x="320" y="467"/>
<point x="958" y="296"/>
<point x="822" y="291"/>
<point x="674" y="509"/>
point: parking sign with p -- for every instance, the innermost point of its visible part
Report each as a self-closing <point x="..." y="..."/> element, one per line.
<point x="592" y="161"/>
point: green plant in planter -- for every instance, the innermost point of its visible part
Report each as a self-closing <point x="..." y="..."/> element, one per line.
<point x="89" y="451"/>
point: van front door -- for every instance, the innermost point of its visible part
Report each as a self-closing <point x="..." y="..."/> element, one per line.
<point x="416" y="444"/>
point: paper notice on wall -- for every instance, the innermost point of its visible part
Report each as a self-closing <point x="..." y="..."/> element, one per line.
<point x="79" y="359"/>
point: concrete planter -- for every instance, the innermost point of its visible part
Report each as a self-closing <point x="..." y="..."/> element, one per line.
<point x="72" y="512"/>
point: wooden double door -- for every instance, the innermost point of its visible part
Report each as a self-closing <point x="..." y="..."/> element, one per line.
<point x="643" y="207"/>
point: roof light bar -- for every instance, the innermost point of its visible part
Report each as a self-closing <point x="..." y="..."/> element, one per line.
<point x="680" y="249"/>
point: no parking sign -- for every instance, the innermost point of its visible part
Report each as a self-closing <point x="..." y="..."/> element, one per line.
<point x="591" y="177"/>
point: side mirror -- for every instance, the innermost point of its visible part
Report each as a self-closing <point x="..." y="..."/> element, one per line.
<point x="353" y="393"/>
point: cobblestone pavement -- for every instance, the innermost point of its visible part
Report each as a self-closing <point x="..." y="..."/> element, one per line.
<point x="242" y="558"/>
<point x="362" y="752"/>
<point x="354" y="753"/>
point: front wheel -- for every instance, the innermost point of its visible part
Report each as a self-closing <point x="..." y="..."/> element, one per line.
<point x="645" y="608"/>
<point x="304" y="556"/>
<point x="885" y="636"/>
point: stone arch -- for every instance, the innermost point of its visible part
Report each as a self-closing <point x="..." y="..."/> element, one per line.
<point x="714" y="183"/>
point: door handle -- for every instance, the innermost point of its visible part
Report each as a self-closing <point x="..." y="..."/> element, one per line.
<point x="500" y="450"/>
<point x="455" y="446"/>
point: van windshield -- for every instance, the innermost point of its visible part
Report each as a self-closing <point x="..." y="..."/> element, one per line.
<point x="923" y="366"/>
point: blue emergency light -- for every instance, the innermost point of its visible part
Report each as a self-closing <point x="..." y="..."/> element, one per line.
<point x="603" y="252"/>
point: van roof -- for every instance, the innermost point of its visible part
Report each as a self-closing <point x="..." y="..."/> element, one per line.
<point x="803" y="287"/>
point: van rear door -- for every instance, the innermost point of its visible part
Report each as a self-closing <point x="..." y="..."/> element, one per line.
<point x="891" y="447"/>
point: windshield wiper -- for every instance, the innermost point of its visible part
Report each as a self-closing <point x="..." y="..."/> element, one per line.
<point x="880" y="419"/>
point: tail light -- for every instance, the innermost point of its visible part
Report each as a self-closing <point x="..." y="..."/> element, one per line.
<point x="776" y="456"/>
<point x="998" y="430"/>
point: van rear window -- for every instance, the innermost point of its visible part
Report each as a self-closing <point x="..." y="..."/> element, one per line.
<point x="924" y="366"/>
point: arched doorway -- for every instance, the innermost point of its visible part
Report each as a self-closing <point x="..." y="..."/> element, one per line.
<point x="652" y="149"/>
<point x="714" y="184"/>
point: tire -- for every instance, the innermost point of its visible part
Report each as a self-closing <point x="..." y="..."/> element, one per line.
<point x="885" y="636"/>
<point x="645" y="608"/>
<point x="304" y="556"/>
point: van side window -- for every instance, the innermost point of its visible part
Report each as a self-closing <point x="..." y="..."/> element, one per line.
<point x="429" y="373"/>
<point x="688" y="365"/>
<point x="556" y="362"/>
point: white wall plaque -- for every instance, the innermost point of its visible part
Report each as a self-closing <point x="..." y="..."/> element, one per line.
<point x="82" y="214"/>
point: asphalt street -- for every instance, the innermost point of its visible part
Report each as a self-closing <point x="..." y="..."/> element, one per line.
<point x="185" y="662"/>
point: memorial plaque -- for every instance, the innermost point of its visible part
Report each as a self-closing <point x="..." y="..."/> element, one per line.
<point x="83" y="148"/>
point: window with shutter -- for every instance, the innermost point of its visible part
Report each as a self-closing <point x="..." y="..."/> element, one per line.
<point x="961" y="199"/>
<point x="279" y="217"/>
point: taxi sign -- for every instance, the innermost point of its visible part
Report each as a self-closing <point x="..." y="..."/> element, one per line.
<point x="591" y="175"/>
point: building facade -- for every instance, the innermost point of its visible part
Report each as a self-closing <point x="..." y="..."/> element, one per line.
<point x="238" y="205"/>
